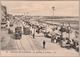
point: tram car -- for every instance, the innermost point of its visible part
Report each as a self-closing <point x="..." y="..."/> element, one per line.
<point x="26" y="30"/>
<point x="18" y="32"/>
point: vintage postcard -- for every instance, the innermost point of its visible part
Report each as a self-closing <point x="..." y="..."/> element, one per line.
<point x="39" y="28"/>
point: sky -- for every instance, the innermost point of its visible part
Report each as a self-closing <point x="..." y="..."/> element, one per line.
<point x="42" y="8"/>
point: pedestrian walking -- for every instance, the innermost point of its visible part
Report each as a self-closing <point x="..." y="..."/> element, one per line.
<point x="44" y="44"/>
<point x="33" y="35"/>
<point x="8" y="31"/>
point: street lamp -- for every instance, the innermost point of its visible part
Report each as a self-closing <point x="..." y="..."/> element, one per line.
<point x="69" y="28"/>
<point x="53" y="10"/>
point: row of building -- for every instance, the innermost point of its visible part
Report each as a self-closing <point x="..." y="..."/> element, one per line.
<point x="5" y="16"/>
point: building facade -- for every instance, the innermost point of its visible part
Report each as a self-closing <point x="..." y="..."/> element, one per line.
<point x="3" y="16"/>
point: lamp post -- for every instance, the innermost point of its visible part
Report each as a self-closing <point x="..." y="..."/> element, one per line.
<point x="53" y="10"/>
<point x="69" y="28"/>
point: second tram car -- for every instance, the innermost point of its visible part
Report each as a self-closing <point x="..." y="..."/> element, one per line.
<point x="18" y="32"/>
<point x="26" y="30"/>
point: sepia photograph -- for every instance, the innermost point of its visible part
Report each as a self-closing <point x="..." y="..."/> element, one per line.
<point x="39" y="28"/>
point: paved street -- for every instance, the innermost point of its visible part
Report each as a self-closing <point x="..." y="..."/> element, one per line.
<point x="28" y="43"/>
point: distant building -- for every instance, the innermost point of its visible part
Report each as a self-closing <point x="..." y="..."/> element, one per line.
<point x="3" y="16"/>
<point x="3" y="11"/>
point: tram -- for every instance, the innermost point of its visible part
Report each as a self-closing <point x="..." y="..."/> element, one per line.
<point x="26" y="30"/>
<point x="18" y="32"/>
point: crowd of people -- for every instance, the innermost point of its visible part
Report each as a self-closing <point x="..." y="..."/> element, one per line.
<point x="65" y="36"/>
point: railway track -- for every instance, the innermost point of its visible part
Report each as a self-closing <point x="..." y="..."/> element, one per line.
<point x="19" y="45"/>
<point x="35" y="44"/>
<point x="31" y="44"/>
